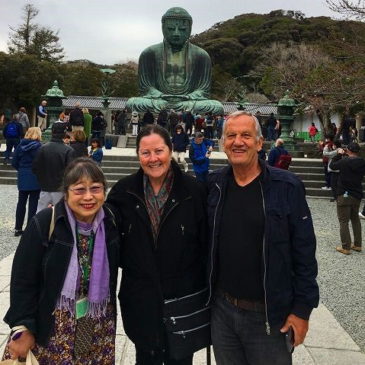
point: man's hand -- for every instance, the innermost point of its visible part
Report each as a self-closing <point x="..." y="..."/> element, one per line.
<point x="21" y="346"/>
<point x="300" y="327"/>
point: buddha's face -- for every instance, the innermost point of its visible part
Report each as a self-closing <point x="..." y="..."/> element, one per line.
<point x="176" y="31"/>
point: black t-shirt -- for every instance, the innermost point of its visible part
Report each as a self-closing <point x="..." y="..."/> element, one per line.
<point x="241" y="238"/>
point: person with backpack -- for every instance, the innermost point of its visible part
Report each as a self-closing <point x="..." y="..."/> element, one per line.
<point x="279" y="156"/>
<point x="77" y="118"/>
<point x="13" y="132"/>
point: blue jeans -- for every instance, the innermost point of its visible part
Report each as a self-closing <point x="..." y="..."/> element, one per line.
<point x="22" y="204"/>
<point x="10" y="143"/>
<point x="271" y="134"/>
<point x="327" y="175"/>
<point x="202" y="176"/>
<point x="239" y="337"/>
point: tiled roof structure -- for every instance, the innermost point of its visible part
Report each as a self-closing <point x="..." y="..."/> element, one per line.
<point x="265" y="109"/>
<point x="95" y="103"/>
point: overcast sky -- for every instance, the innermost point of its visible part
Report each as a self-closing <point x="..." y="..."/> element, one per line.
<point x="112" y="31"/>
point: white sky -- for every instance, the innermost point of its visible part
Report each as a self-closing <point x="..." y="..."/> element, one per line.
<point x="111" y="31"/>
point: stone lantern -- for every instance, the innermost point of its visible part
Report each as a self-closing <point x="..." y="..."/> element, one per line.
<point x="285" y="115"/>
<point x="54" y="98"/>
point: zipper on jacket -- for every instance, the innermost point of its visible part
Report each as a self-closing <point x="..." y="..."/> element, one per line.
<point x="268" y="330"/>
<point x="182" y="333"/>
<point x="182" y="229"/>
<point x="185" y="297"/>
<point x="173" y="319"/>
<point x="213" y="239"/>
<point x="167" y="214"/>
<point x="161" y="223"/>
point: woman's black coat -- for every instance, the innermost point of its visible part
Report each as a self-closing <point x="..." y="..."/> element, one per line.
<point x="40" y="267"/>
<point x="174" y="267"/>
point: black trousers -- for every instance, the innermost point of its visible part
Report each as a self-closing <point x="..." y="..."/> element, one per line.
<point x="23" y="196"/>
<point x="159" y="357"/>
<point x="188" y="129"/>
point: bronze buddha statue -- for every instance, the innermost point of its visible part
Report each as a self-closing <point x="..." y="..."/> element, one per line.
<point x="175" y="73"/>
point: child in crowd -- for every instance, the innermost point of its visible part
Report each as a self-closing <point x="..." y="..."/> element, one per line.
<point x="96" y="152"/>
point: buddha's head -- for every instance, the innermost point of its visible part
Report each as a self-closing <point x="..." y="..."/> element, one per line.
<point x="176" y="27"/>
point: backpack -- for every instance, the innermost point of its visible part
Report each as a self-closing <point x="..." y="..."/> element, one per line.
<point x="108" y="144"/>
<point x="283" y="162"/>
<point x="12" y="131"/>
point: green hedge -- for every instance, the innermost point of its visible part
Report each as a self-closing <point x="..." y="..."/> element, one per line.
<point x="305" y="136"/>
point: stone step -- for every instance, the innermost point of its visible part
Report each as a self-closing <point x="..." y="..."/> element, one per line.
<point x="299" y="166"/>
<point x="8" y="180"/>
<point x="310" y="171"/>
<point x="309" y="176"/>
<point x="318" y="192"/>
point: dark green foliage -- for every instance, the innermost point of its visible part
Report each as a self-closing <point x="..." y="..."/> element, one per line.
<point x="82" y="78"/>
<point x="253" y="32"/>
<point x="24" y="79"/>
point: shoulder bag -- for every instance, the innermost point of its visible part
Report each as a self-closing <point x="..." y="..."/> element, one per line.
<point x="187" y="324"/>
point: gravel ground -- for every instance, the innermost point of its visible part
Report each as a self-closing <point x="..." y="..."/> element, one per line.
<point x="341" y="278"/>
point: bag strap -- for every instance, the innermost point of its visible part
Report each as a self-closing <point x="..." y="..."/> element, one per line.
<point x="279" y="150"/>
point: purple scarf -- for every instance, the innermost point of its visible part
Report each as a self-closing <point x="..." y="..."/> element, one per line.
<point x="98" y="294"/>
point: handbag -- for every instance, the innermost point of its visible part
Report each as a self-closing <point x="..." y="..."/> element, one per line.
<point x="108" y="144"/>
<point x="30" y="360"/>
<point x="187" y="324"/>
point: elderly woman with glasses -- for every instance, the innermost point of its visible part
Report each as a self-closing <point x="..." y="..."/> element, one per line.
<point x="163" y="240"/>
<point x="64" y="276"/>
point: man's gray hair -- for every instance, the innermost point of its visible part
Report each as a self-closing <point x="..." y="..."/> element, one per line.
<point x="238" y="113"/>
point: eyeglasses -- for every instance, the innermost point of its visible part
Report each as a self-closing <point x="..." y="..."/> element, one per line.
<point x="93" y="190"/>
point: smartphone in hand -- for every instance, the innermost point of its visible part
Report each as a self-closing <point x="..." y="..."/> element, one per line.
<point x="289" y="337"/>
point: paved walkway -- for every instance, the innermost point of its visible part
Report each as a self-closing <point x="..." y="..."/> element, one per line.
<point x="327" y="342"/>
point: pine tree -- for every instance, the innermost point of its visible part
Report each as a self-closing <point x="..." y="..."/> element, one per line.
<point x="32" y="39"/>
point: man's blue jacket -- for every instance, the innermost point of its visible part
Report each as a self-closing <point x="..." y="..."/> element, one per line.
<point x="289" y="266"/>
<point x="197" y="154"/>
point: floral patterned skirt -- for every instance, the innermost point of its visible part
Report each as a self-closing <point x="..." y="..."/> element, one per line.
<point x="60" y="348"/>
